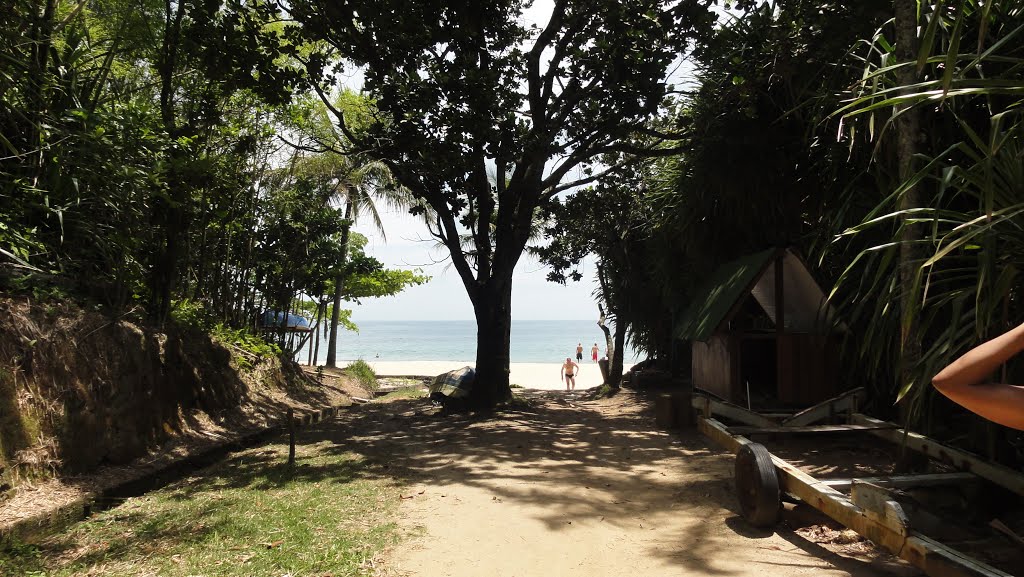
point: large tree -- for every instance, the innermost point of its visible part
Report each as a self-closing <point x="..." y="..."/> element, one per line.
<point x="467" y="87"/>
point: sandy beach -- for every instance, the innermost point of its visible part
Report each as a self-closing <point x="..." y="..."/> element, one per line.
<point x="527" y="375"/>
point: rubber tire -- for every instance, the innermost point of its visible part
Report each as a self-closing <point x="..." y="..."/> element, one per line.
<point x="757" y="486"/>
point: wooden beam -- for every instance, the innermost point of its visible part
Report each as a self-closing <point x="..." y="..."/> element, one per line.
<point x="846" y="402"/>
<point x="906" y="481"/>
<point x="937" y="560"/>
<point x="710" y="408"/>
<point x="998" y="474"/>
<point x="879" y="505"/>
<point x="780" y="430"/>
<point x="934" y="558"/>
<point x="719" y="433"/>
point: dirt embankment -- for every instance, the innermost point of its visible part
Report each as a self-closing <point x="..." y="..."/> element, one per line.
<point x="80" y="390"/>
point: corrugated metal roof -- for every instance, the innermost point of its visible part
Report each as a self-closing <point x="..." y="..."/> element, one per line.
<point x="805" y="307"/>
<point x="714" y="300"/>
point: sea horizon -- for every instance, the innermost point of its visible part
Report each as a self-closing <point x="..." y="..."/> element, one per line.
<point x="532" y="341"/>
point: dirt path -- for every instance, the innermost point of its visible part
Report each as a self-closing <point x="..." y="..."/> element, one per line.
<point x="572" y="488"/>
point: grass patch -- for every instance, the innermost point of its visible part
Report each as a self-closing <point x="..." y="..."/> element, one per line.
<point x="518" y="403"/>
<point x="416" y="391"/>
<point x="362" y="372"/>
<point x="249" y="515"/>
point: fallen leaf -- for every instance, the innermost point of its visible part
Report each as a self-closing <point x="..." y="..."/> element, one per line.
<point x="273" y="545"/>
<point x="407" y="496"/>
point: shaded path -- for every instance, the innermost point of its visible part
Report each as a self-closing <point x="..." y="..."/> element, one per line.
<point x="569" y="488"/>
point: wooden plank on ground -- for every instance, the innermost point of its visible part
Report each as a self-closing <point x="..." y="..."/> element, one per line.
<point x="905" y="481"/>
<point x="715" y="408"/>
<point x="998" y="474"/>
<point x="719" y="433"/>
<point x="934" y="558"/>
<point x="780" y="430"/>
<point x="878" y="503"/>
<point x="937" y="560"/>
<point x="848" y="401"/>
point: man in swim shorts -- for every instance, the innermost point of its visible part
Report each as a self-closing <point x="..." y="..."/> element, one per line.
<point x="569" y="371"/>
<point x="593" y="352"/>
<point x="579" y="351"/>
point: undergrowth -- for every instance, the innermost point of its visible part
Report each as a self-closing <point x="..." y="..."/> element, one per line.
<point x="411" y="392"/>
<point x="363" y="373"/>
<point x="246" y="346"/>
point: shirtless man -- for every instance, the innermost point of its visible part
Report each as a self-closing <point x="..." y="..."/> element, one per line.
<point x="579" y="351"/>
<point x="593" y="353"/>
<point x="965" y="381"/>
<point x="569" y="371"/>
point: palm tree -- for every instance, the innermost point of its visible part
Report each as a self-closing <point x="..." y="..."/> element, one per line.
<point x="349" y="178"/>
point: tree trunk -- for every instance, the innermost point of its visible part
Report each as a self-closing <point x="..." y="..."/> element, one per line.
<point x="493" y="308"/>
<point x="908" y="144"/>
<point x="319" y="329"/>
<point x="339" y="286"/>
<point x="615" y="368"/>
<point x="613" y="351"/>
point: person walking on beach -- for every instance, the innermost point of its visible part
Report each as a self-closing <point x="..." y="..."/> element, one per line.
<point x="593" y="352"/>
<point x="579" y="351"/>
<point x="569" y="371"/>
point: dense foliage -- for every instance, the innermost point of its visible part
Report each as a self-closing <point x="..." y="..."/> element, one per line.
<point x="203" y="155"/>
<point x="140" y="168"/>
<point x="795" y="137"/>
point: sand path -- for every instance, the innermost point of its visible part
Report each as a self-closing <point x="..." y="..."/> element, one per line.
<point x="572" y="488"/>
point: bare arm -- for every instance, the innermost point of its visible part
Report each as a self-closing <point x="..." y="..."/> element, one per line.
<point x="962" y="381"/>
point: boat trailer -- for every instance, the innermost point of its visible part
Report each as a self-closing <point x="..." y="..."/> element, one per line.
<point x="866" y="505"/>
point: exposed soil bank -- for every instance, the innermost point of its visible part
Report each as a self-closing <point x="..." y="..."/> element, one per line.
<point x="87" y="401"/>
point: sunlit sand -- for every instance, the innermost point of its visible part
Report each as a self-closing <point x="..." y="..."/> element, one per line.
<point x="528" y="375"/>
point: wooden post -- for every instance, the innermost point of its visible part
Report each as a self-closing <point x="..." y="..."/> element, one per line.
<point x="291" y="437"/>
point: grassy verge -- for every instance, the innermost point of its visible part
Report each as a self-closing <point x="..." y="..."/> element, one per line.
<point x="250" y="515"/>
<point x="362" y="372"/>
<point x="411" y="392"/>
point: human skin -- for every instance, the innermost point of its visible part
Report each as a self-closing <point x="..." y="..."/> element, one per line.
<point x="570" y="377"/>
<point x="963" y="381"/>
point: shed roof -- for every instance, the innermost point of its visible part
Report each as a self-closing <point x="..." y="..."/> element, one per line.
<point x="718" y="299"/>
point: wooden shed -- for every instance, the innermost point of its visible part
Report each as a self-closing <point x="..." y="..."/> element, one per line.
<point x="762" y="333"/>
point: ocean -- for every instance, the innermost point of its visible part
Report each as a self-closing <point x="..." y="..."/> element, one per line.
<point x="532" y="341"/>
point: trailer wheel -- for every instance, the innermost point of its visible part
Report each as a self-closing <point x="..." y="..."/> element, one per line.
<point x="757" y="486"/>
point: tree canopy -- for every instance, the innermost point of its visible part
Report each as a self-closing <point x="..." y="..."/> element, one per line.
<point x="462" y="86"/>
